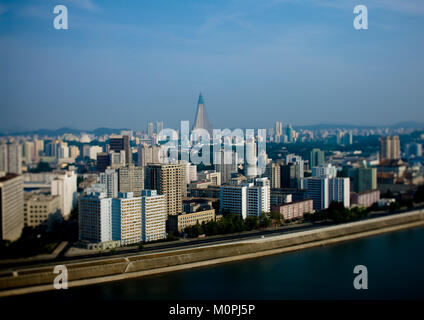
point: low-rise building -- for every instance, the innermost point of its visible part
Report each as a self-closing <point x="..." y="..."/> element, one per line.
<point x="39" y="208"/>
<point x="365" y="199"/>
<point x="195" y="211"/>
<point x="295" y="210"/>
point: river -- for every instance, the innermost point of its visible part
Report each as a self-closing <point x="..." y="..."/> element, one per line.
<point x="395" y="264"/>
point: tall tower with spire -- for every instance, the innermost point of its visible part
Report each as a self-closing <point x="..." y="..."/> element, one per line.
<point x="201" y="120"/>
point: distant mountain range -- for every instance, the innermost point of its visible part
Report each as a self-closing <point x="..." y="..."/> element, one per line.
<point x="405" y="125"/>
<point x="107" y="131"/>
<point x="62" y="131"/>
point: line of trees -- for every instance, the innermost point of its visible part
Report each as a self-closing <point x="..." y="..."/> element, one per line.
<point x="229" y="223"/>
<point x="337" y="213"/>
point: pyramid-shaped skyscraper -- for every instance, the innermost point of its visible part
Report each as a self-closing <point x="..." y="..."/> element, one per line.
<point x="201" y="120"/>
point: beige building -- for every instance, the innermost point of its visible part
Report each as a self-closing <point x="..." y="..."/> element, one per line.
<point x="167" y="179"/>
<point x="153" y="216"/>
<point x="196" y="211"/>
<point x="131" y="179"/>
<point x="126" y="219"/>
<point x="38" y="207"/>
<point x="389" y="148"/>
<point x="11" y="206"/>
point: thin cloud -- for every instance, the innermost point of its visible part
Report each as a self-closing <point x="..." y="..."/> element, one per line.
<point x="216" y="21"/>
<point x="2" y="9"/>
<point x="414" y="7"/>
<point x="87" y="5"/>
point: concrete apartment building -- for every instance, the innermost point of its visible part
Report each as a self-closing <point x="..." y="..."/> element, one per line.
<point x="109" y="178"/>
<point x="295" y="210"/>
<point x="246" y="199"/>
<point x="118" y="143"/>
<point x="126" y="219"/>
<point x="389" y="148"/>
<point x="167" y="179"/>
<point x="64" y="184"/>
<point x="11" y="157"/>
<point x="39" y="208"/>
<point x="11" y="206"/>
<point x="131" y="179"/>
<point x="324" y="190"/>
<point x="153" y="216"/>
<point x="95" y="218"/>
<point x="273" y="173"/>
<point x="148" y="154"/>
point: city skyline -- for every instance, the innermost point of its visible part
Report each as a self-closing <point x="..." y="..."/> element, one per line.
<point x="301" y="62"/>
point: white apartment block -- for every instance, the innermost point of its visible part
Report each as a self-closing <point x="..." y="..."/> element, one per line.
<point x="234" y="199"/>
<point x="64" y="184"/>
<point x="109" y="178"/>
<point x="258" y="197"/>
<point x="247" y="199"/>
<point x="325" y="190"/>
<point x="126" y="219"/>
<point x="153" y="216"/>
<point x="95" y="218"/>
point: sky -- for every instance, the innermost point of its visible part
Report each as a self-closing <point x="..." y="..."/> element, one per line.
<point x="124" y="63"/>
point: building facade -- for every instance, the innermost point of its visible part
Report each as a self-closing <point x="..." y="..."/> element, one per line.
<point x="153" y="216"/>
<point x="167" y="179"/>
<point x="11" y="206"/>
<point x="295" y="210"/>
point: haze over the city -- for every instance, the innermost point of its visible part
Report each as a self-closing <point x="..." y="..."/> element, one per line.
<point x="301" y="62"/>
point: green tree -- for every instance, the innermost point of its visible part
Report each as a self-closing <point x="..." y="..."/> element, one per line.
<point x="264" y="220"/>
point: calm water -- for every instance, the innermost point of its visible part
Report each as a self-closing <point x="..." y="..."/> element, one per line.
<point x="395" y="265"/>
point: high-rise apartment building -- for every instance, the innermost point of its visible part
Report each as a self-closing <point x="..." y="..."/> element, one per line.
<point x="168" y="180"/>
<point x="273" y="173"/>
<point x="364" y="179"/>
<point x="258" y="197"/>
<point x="131" y="179"/>
<point x="153" y="216"/>
<point x="389" y="148"/>
<point x="109" y="178"/>
<point x="12" y="162"/>
<point x="3" y="157"/>
<point x="95" y="217"/>
<point x="126" y="219"/>
<point x="103" y="161"/>
<point x="225" y="162"/>
<point x="316" y="158"/>
<point x="11" y="206"/>
<point x="246" y="199"/>
<point x="118" y="143"/>
<point x="64" y="184"/>
<point x="148" y="154"/>
<point x="150" y="129"/>
<point x="324" y="190"/>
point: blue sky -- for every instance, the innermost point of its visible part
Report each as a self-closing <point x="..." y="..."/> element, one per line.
<point x="123" y="63"/>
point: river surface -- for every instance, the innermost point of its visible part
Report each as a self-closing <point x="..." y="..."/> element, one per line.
<point x="395" y="264"/>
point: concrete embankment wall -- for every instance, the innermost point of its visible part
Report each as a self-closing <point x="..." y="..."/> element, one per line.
<point x="110" y="269"/>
